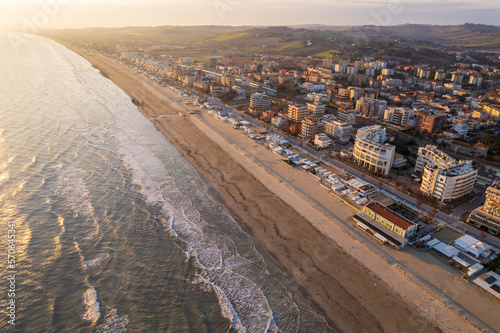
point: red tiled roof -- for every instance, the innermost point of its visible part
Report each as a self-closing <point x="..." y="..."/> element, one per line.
<point x="481" y="145"/>
<point x="390" y="215"/>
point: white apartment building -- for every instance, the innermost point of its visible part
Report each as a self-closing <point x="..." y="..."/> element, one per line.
<point x="322" y="141"/>
<point x="446" y="184"/>
<point x="433" y="156"/>
<point x="259" y="103"/>
<point x="371" y="151"/>
<point x="400" y="116"/>
<point x="339" y="130"/>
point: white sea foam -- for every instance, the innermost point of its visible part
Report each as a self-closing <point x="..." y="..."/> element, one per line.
<point x="92" y="309"/>
<point x="96" y="261"/>
<point x="112" y="322"/>
<point x="71" y="187"/>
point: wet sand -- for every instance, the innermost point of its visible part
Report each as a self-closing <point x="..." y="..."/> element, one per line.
<point x="339" y="287"/>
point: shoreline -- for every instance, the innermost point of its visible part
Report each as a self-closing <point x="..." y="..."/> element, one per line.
<point x="348" y="304"/>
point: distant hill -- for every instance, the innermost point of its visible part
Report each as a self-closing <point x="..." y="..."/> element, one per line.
<point x="417" y="42"/>
<point x="474" y="36"/>
<point x="143" y="35"/>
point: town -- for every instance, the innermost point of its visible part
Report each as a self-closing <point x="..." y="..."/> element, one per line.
<point x="411" y="146"/>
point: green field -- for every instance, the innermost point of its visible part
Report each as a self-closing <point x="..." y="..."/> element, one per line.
<point x="290" y="45"/>
<point x="326" y="54"/>
<point x="228" y="36"/>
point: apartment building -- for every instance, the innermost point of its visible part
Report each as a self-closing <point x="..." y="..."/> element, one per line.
<point x="259" y="103"/>
<point x="316" y="109"/>
<point x="297" y="113"/>
<point x="309" y="128"/>
<point x="487" y="217"/>
<point x="370" y="107"/>
<point x="339" y="130"/>
<point x="371" y="151"/>
<point x="447" y="184"/>
<point x="430" y="155"/>
<point x="347" y="116"/>
<point x="400" y="116"/>
<point x="429" y="122"/>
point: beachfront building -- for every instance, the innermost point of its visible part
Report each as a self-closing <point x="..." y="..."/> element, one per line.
<point x="447" y="184"/>
<point x="339" y="130"/>
<point x="433" y="156"/>
<point x="322" y="141"/>
<point x="347" y="116"/>
<point x="443" y="177"/>
<point x="386" y="225"/>
<point x="297" y="113"/>
<point x="371" y="151"/>
<point x="259" y="103"/>
<point x="487" y="217"/>
<point x="370" y="107"/>
<point x="309" y="128"/>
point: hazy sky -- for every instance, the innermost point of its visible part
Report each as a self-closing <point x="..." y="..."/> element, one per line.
<point x="16" y="14"/>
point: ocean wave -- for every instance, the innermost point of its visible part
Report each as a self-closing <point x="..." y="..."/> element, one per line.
<point x="96" y="261"/>
<point x="159" y="180"/>
<point x="112" y="322"/>
<point x="92" y="309"/>
<point x="71" y="187"/>
<point x="250" y="295"/>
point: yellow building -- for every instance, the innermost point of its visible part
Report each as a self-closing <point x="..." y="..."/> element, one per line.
<point x="386" y="225"/>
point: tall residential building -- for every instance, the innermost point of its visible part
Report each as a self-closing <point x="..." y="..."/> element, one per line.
<point x="228" y="80"/>
<point x="370" y="107"/>
<point x="476" y="80"/>
<point x="339" y="130"/>
<point x="447" y="184"/>
<point x="237" y="61"/>
<point x="297" y="113"/>
<point x="309" y="128"/>
<point x="371" y="151"/>
<point x="440" y="75"/>
<point x="424" y="73"/>
<point x="355" y="93"/>
<point x="457" y="78"/>
<point x="487" y="217"/>
<point x="347" y="116"/>
<point x="443" y="177"/>
<point x="433" y="156"/>
<point x="316" y="109"/>
<point x="213" y="61"/>
<point x="430" y="122"/>
<point x="328" y="63"/>
<point x="259" y="103"/>
<point x="400" y="116"/>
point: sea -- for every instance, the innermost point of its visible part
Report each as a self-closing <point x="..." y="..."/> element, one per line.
<point x="104" y="227"/>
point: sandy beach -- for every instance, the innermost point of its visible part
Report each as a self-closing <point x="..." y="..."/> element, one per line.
<point x="353" y="287"/>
